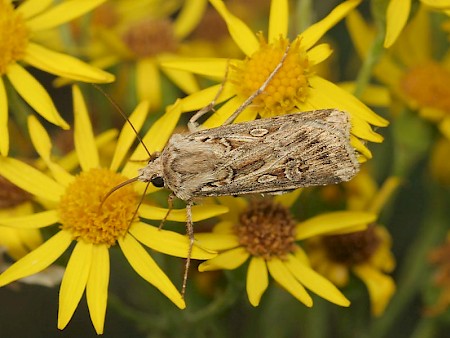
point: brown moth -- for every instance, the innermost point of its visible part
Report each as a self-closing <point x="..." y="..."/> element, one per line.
<point x="271" y="156"/>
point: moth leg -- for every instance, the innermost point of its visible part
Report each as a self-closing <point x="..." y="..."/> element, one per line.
<point x="190" y="233"/>
<point x="250" y="99"/>
<point x="169" y="209"/>
<point x="192" y="124"/>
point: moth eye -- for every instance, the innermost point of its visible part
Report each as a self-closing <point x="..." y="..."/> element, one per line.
<point x="158" y="181"/>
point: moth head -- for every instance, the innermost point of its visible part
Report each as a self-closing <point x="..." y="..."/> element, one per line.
<point x="153" y="172"/>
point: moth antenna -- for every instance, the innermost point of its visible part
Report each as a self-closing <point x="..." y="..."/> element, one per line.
<point x="121" y="112"/>
<point x="117" y="187"/>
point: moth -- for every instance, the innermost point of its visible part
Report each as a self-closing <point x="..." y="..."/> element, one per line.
<point x="270" y="156"/>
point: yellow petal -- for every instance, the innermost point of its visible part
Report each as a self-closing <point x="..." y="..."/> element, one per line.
<point x="155" y="139"/>
<point x="32" y="7"/>
<point x="146" y="267"/>
<point x="373" y="95"/>
<point x="361" y="33"/>
<point x="212" y="67"/>
<point x="396" y="16"/>
<point x="61" y="13"/>
<point x="74" y="282"/>
<point x="239" y="31"/>
<point x="217" y="242"/>
<point x="38" y="259"/>
<point x="34" y="94"/>
<point x="4" y="133"/>
<point x="184" y="80"/>
<point x="278" y="20"/>
<point x="128" y="135"/>
<point x="43" y="145"/>
<point x="190" y="15"/>
<point x="257" y="280"/>
<point x="439" y="4"/>
<point x="30" y="179"/>
<point x="228" y="260"/>
<point x="222" y="114"/>
<point x="381" y="287"/>
<point x="346" y="101"/>
<point x="148" y="82"/>
<point x="83" y="134"/>
<point x="319" y="53"/>
<point x="444" y="127"/>
<point x="284" y="277"/>
<point x="314" y="32"/>
<point x="64" y="65"/>
<point x="199" y="212"/>
<point x="33" y="221"/>
<point x="97" y="286"/>
<point x="202" y="98"/>
<point x="167" y="242"/>
<point x="315" y="282"/>
<point x="331" y="222"/>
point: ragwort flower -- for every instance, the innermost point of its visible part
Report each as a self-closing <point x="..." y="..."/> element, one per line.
<point x="265" y="234"/>
<point x="365" y="253"/>
<point x="411" y="72"/>
<point x="17" y="26"/>
<point x="139" y="37"/>
<point x="294" y="88"/>
<point x="95" y="224"/>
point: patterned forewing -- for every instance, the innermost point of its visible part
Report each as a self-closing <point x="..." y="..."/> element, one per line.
<point x="283" y="153"/>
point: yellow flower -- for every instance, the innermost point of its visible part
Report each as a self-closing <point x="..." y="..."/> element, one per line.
<point x="139" y="37"/>
<point x="265" y="233"/>
<point x="366" y="253"/>
<point x="17" y="26"/>
<point x="75" y="202"/>
<point x="294" y="88"/>
<point x="397" y="15"/>
<point x="411" y="72"/>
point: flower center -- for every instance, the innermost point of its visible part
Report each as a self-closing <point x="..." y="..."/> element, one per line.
<point x="11" y="195"/>
<point x="429" y="85"/>
<point x="13" y="35"/>
<point x="266" y="230"/>
<point x="151" y="37"/>
<point x="82" y="212"/>
<point x="354" y="248"/>
<point x="287" y="89"/>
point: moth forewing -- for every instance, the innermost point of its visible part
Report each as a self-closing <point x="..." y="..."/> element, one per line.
<point x="263" y="156"/>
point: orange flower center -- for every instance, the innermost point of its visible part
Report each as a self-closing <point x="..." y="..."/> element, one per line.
<point x="428" y="85"/>
<point x="151" y="37"/>
<point x="354" y="248"/>
<point x="266" y="230"/>
<point x="13" y="36"/>
<point x="88" y="216"/>
<point x="287" y="89"/>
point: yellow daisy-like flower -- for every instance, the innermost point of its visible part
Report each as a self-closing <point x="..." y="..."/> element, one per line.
<point x="397" y="15"/>
<point x="140" y="37"/>
<point x="366" y="253"/>
<point x="411" y="72"/>
<point x="93" y="223"/>
<point x="294" y="88"/>
<point x="265" y="234"/>
<point x="17" y="26"/>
